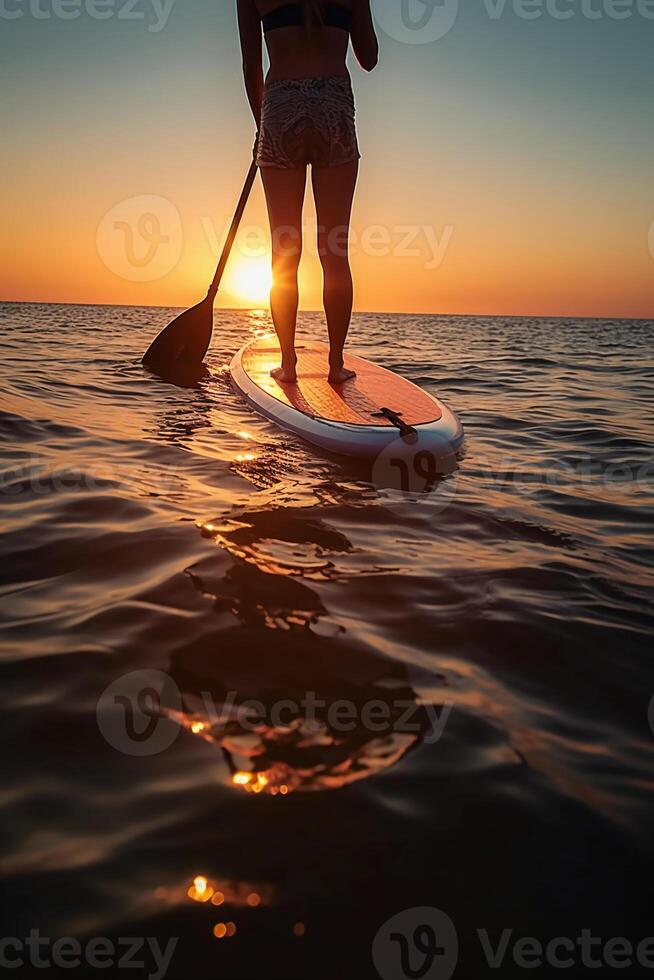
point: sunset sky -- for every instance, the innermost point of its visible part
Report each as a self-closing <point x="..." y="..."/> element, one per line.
<point x="512" y="158"/>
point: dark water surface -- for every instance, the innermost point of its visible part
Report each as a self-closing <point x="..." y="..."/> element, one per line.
<point x="153" y="527"/>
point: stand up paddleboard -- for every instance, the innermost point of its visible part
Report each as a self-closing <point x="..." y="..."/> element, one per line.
<point x="361" y="417"/>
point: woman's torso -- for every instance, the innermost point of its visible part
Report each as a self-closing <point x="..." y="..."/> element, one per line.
<point x="297" y="53"/>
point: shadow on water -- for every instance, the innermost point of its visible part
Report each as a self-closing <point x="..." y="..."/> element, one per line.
<point x="290" y="707"/>
<point x="292" y="711"/>
<point x="181" y="375"/>
<point x="183" y="417"/>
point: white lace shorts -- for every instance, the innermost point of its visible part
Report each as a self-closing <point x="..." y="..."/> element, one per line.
<point x="308" y="120"/>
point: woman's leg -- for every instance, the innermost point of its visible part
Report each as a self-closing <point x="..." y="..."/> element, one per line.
<point x="333" y="189"/>
<point x="284" y="198"/>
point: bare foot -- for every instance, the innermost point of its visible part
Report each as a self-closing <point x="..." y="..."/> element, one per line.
<point x="284" y="376"/>
<point x="338" y="375"/>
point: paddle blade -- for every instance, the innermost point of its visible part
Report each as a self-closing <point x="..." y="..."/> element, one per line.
<point x="185" y="340"/>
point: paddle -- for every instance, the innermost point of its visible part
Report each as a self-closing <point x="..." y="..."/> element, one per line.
<point x="186" y="339"/>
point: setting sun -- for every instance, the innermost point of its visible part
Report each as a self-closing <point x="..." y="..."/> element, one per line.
<point x="250" y="280"/>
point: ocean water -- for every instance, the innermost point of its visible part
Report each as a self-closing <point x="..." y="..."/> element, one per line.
<point x="162" y="538"/>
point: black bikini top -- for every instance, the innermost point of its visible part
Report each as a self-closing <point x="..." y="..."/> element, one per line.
<point x="292" y="15"/>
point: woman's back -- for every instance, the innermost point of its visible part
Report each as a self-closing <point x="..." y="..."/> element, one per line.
<point x="298" y="52"/>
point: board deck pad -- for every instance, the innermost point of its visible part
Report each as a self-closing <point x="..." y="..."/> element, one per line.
<point x="355" y="402"/>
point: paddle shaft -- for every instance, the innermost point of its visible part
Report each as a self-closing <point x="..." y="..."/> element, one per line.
<point x="233" y="230"/>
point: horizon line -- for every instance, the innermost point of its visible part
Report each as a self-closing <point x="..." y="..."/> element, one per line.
<point x="252" y="309"/>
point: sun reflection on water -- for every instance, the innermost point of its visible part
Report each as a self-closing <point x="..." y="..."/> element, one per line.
<point x="200" y="890"/>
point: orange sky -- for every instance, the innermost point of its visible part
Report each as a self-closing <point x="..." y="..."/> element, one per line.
<point x="477" y="194"/>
